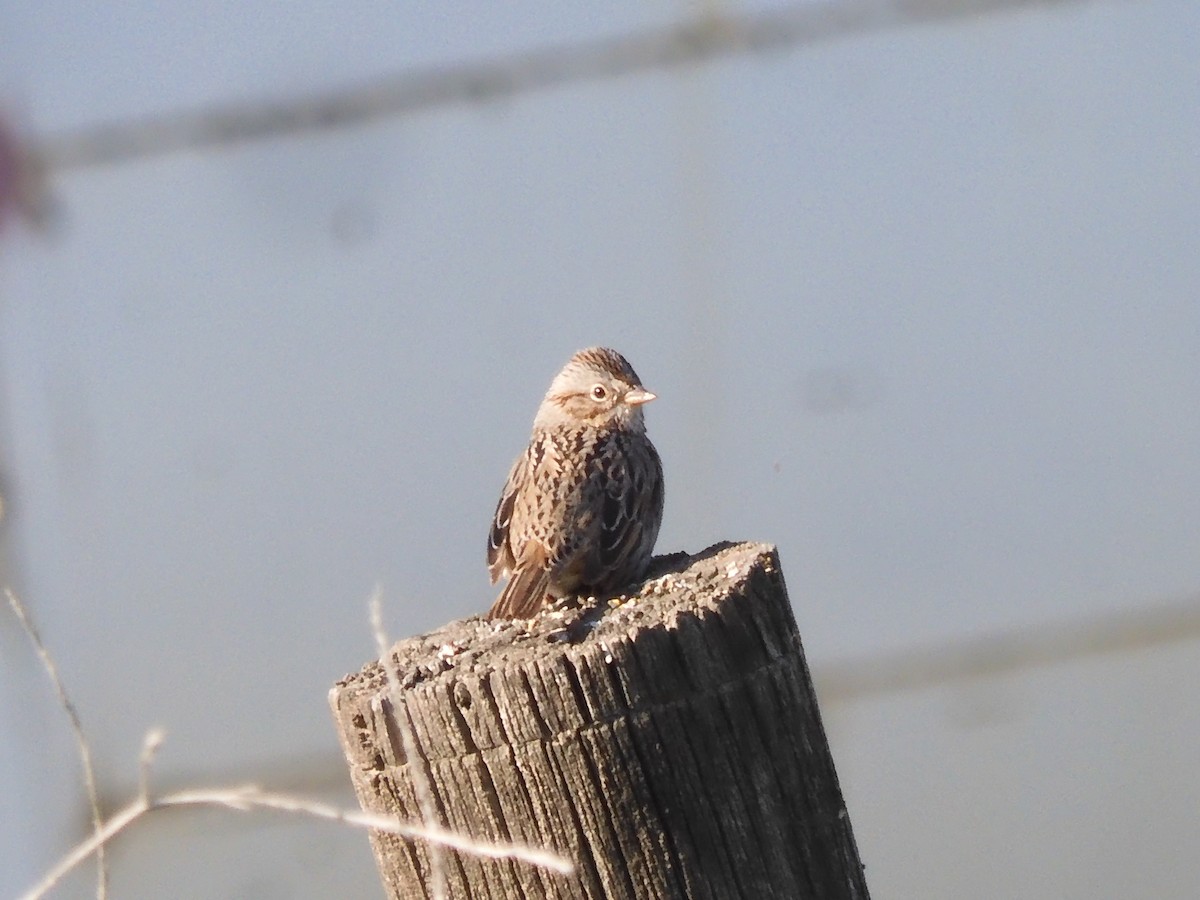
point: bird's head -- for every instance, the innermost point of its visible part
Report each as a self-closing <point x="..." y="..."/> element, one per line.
<point x="597" y="387"/>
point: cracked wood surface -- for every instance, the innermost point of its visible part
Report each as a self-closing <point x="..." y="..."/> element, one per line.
<point x="670" y="746"/>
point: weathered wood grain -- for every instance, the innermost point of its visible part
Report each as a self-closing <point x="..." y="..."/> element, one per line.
<point x="670" y="746"/>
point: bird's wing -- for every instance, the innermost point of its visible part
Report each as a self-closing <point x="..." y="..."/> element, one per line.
<point x="630" y="515"/>
<point x="531" y="538"/>
<point x="500" y="558"/>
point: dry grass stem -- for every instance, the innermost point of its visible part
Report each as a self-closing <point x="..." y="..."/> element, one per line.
<point x="150" y="744"/>
<point x="249" y="798"/>
<point x="416" y="765"/>
<point x="81" y="741"/>
<point x="246" y="798"/>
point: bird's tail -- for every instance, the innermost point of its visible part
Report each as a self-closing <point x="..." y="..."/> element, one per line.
<point x="523" y="596"/>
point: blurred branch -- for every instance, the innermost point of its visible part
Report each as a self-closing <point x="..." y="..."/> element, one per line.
<point x="407" y="93"/>
<point x="966" y="659"/>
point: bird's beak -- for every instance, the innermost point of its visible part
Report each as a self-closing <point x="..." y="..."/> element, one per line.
<point x="638" y="396"/>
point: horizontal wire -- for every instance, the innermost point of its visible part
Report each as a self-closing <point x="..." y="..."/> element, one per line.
<point x="969" y="659"/>
<point x="423" y="89"/>
<point x="954" y="662"/>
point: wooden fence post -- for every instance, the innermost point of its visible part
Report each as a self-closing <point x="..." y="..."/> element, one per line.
<point x="671" y="747"/>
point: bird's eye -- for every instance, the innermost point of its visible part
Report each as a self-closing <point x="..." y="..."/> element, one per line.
<point x="599" y="392"/>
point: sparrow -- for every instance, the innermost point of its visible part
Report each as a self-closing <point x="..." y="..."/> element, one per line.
<point x="581" y="509"/>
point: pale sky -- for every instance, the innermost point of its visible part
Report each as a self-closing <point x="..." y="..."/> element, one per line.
<point x="920" y="307"/>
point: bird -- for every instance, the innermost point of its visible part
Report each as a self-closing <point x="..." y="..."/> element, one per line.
<point x="583" y="503"/>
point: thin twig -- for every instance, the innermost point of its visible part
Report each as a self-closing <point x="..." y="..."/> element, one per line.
<point x="81" y="741"/>
<point x="416" y="764"/>
<point x="150" y="744"/>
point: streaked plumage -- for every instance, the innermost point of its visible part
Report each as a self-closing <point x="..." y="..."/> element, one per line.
<point x="582" y="506"/>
